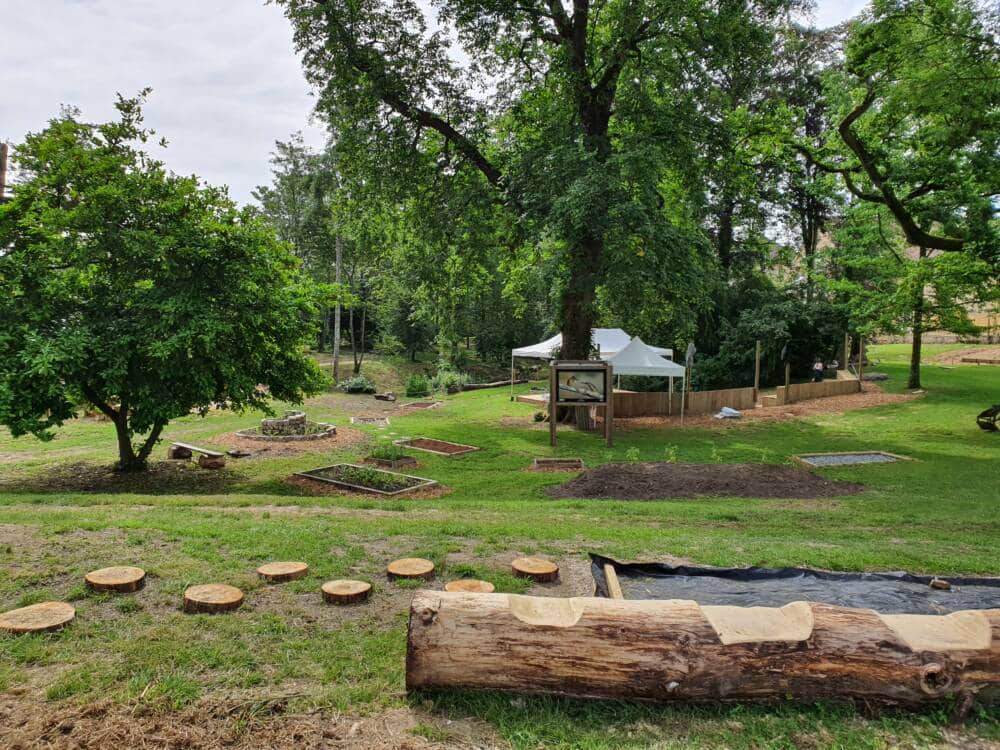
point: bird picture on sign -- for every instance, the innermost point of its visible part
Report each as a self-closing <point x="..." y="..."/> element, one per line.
<point x="581" y="386"/>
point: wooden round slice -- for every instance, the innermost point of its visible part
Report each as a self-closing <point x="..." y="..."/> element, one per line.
<point x="212" y="597"/>
<point x="345" y="592"/>
<point x="535" y="568"/>
<point x="278" y="572"/>
<point x="470" y="586"/>
<point x="411" y="567"/>
<point x="38" y="618"/>
<point x="121" y="578"/>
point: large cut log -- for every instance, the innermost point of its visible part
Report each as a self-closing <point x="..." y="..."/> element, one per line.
<point x="678" y="650"/>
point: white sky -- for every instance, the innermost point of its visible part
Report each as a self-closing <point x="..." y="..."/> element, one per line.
<point x="226" y="80"/>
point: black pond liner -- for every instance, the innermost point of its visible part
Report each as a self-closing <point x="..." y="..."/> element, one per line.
<point x="888" y="593"/>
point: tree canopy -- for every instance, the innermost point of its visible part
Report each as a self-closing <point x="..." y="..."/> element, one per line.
<point x="142" y="293"/>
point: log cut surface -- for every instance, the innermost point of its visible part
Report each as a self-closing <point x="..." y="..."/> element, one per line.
<point x="279" y="572"/>
<point x="410" y="567"/>
<point x="120" y="578"/>
<point x="345" y="591"/>
<point x="671" y="650"/>
<point x="470" y="585"/>
<point x="536" y="568"/>
<point x="212" y="597"/>
<point x="38" y="618"/>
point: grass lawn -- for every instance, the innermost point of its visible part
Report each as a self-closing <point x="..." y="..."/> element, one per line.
<point x="936" y="514"/>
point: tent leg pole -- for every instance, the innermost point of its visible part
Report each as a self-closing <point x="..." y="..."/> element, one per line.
<point x="512" y="376"/>
<point x="670" y="396"/>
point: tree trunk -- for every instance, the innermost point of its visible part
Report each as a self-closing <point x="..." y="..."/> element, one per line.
<point x="677" y="650"/>
<point x="324" y="331"/>
<point x="918" y="332"/>
<point x="578" y="311"/>
<point x="359" y="357"/>
<point x="338" y="263"/>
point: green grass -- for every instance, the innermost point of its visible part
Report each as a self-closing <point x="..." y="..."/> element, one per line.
<point x="936" y="514"/>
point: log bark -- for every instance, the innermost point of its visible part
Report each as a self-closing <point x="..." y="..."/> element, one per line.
<point x="678" y="650"/>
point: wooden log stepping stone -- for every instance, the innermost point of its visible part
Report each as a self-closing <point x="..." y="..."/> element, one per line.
<point x="345" y="592"/>
<point x="212" y="597"/>
<point x="536" y="568"/>
<point x="470" y="586"/>
<point x="411" y="567"/>
<point x="38" y="618"/>
<point x="120" y="578"/>
<point x="279" y="572"/>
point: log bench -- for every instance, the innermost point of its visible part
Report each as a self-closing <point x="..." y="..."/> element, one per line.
<point x="207" y="459"/>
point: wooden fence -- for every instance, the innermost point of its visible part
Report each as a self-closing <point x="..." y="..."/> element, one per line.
<point x="805" y="391"/>
<point x="630" y="404"/>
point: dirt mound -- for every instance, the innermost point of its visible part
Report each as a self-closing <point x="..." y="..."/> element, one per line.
<point x="660" y="481"/>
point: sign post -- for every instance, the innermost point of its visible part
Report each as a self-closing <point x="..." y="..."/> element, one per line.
<point x="581" y="383"/>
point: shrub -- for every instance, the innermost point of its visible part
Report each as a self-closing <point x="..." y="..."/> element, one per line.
<point x="417" y="385"/>
<point x="387" y="452"/>
<point x="448" y="379"/>
<point x="358" y="384"/>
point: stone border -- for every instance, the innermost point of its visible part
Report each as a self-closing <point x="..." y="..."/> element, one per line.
<point x="254" y="434"/>
<point x="423" y="482"/>
<point x="802" y="458"/>
<point x="371" y="421"/>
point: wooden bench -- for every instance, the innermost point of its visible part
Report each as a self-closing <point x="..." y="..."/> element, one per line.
<point x="207" y="460"/>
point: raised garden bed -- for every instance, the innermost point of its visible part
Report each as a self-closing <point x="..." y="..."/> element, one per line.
<point x="557" y="464"/>
<point x="440" y="447"/>
<point x="373" y="421"/>
<point x="367" y="479"/>
<point x="849" y="458"/>
<point x="422" y="404"/>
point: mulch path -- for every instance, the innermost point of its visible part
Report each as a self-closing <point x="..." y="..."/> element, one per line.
<point x="659" y="481"/>
<point x="978" y="352"/>
<point x="871" y="397"/>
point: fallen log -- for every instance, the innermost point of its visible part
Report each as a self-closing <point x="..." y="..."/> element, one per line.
<point x="677" y="650"/>
<point x="494" y="384"/>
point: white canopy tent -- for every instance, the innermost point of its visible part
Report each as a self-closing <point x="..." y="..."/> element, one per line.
<point x="638" y="358"/>
<point x="609" y="342"/>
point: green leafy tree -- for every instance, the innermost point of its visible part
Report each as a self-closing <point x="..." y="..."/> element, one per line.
<point x="138" y="291"/>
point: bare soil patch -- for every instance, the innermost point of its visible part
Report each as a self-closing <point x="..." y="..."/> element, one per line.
<point x="656" y="481"/>
<point x="162" y="478"/>
<point x="978" y="352"/>
<point x="236" y="725"/>
<point x="346" y="437"/>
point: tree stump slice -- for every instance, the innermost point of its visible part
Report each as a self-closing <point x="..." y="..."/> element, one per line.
<point x="535" y="568"/>
<point x="470" y="586"/>
<point x="279" y="572"/>
<point x="121" y="578"/>
<point x="212" y="597"/>
<point x="345" y="591"/>
<point x="411" y="567"/>
<point x="38" y="618"/>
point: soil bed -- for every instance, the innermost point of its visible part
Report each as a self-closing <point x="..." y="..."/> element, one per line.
<point x="421" y="404"/>
<point x="367" y="479"/>
<point x="442" y="447"/>
<point x="392" y="463"/>
<point x="658" y="481"/>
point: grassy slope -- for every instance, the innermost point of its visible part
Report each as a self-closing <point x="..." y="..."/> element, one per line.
<point x="936" y="514"/>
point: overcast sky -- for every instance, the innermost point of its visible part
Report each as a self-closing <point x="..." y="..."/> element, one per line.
<point x="226" y="80"/>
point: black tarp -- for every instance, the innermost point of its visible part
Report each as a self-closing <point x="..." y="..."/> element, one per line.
<point x="889" y="593"/>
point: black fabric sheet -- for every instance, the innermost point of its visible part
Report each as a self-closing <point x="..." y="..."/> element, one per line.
<point x="888" y="593"/>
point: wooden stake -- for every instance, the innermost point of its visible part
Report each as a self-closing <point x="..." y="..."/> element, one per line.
<point x="611" y="576"/>
<point x="345" y="591"/>
<point x="410" y="567"/>
<point x="677" y="650"/>
<point x="470" y="586"/>
<point x="38" y="618"/>
<point x="756" y="373"/>
<point x="279" y="572"/>
<point x="536" y="568"/>
<point x="123" y="579"/>
<point x="212" y="598"/>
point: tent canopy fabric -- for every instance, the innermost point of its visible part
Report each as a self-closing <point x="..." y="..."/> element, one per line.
<point x="609" y="341"/>
<point x="638" y="358"/>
